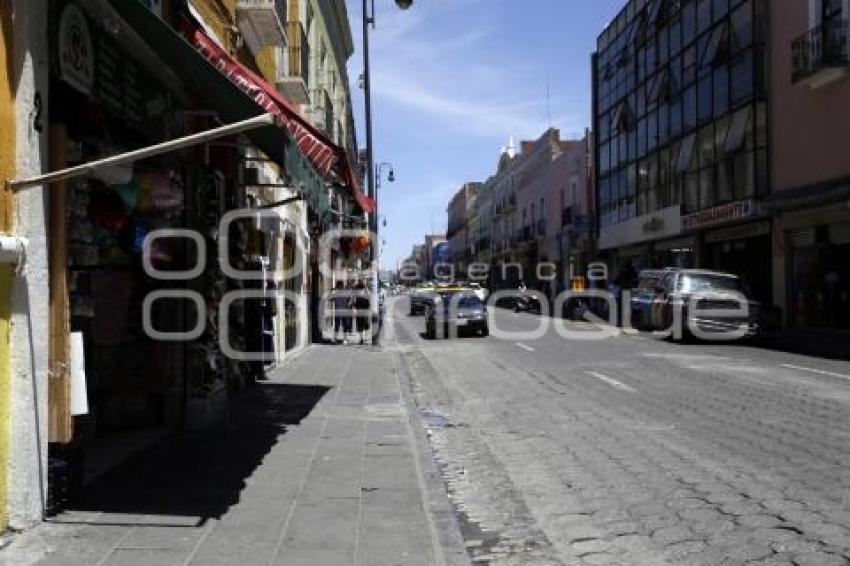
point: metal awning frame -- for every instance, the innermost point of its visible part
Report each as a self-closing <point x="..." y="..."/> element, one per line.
<point x="85" y="169"/>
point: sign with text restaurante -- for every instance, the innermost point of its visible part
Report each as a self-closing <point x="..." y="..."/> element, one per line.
<point x="321" y="155"/>
<point x="739" y="210"/>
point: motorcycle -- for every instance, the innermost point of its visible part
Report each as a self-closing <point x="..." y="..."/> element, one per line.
<point x="527" y="302"/>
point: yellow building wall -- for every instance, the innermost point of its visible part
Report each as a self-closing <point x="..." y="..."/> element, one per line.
<point x="7" y="170"/>
<point x="220" y="15"/>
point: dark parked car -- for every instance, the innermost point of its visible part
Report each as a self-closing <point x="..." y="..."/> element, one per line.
<point x="420" y="298"/>
<point x="456" y="310"/>
<point x="710" y="301"/>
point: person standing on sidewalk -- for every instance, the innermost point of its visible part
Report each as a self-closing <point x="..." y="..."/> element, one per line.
<point x="363" y="312"/>
<point x="342" y="318"/>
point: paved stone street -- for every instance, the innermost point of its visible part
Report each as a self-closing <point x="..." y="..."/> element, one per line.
<point x="631" y="450"/>
<point x="318" y="466"/>
<point x="627" y="450"/>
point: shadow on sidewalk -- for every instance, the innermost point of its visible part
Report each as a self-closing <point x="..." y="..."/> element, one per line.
<point x="201" y="475"/>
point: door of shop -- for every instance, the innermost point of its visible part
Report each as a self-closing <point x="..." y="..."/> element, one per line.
<point x="820" y="278"/>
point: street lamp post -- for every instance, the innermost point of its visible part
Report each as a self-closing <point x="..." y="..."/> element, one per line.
<point x="371" y="172"/>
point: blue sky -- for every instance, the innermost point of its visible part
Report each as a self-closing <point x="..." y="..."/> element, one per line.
<point x="452" y="80"/>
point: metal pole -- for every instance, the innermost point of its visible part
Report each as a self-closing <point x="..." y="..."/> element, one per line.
<point x="139" y="154"/>
<point x="370" y="161"/>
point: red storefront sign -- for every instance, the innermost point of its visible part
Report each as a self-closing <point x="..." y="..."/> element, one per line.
<point x="719" y="214"/>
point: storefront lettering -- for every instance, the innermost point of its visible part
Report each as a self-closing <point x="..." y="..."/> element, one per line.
<point x="725" y="213"/>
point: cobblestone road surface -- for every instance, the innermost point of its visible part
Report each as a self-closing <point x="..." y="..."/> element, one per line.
<point x="630" y="450"/>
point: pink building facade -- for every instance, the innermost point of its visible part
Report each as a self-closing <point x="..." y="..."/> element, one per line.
<point x="553" y="216"/>
<point x="810" y="162"/>
<point x="458" y="232"/>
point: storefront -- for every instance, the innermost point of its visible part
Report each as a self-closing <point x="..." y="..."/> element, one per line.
<point x="676" y="252"/>
<point x="735" y="238"/>
<point x="744" y="250"/>
<point x="147" y="314"/>
<point x="814" y="246"/>
<point x="628" y="246"/>
<point x="115" y="306"/>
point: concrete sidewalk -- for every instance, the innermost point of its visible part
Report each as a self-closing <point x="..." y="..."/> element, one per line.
<point x="321" y="465"/>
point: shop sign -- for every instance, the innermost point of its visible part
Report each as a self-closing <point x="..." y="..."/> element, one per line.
<point x="740" y="210"/>
<point x="76" y="51"/>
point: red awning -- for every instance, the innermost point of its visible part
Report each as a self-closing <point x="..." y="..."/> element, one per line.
<point x="325" y="156"/>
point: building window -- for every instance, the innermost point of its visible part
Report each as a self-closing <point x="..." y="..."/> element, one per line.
<point x="704" y="98"/>
<point x="703" y="15"/>
<point x="739" y="128"/>
<point x="720" y="8"/>
<point x="623" y="118"/>
<point x="676" y="117"/>
<point x="741" y="83"/>
<point x="690" y="196"/>
<point x="744" y="175"/>
<point x="685" y="158"/>
<point x="690" y="107"/>
<point x="725" y="172"/>
<point x="664" y="178"/>
<point x="706" y="188"/>
<point x="675" y="35"/>
<point x="706" y="146"/>
<point x="721" y="129"/>
<point x="742" y="26"/>
<point x="663" y="125"/>
<point x="830" y="11"/>
<point x="689" y="65"/>
<point x="689" y="19"/>
<point x="717" y="47"/>
<point x="721" y="90"/>
<point x="652" y="131"/>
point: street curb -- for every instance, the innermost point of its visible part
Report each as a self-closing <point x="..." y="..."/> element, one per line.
<point x="436" y="498"/>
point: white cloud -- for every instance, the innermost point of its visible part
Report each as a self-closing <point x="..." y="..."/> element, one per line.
<point x="453" y="79"/>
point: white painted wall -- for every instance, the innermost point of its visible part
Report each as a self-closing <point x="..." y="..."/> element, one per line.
<point x="28" y="454"/>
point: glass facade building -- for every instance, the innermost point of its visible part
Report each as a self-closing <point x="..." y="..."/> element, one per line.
<point x="680" y="107"/>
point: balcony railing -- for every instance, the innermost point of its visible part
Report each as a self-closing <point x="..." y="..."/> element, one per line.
<point x="261" y="22"/>
<point x="820" y="50"/>
<point x="293" y="83"/>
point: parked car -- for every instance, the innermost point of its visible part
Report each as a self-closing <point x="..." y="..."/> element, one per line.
<point x="479" y="291"/>
<point x="419" y="298"/>
<point x="458" y="311"/>
<point x="713" y="293"/>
